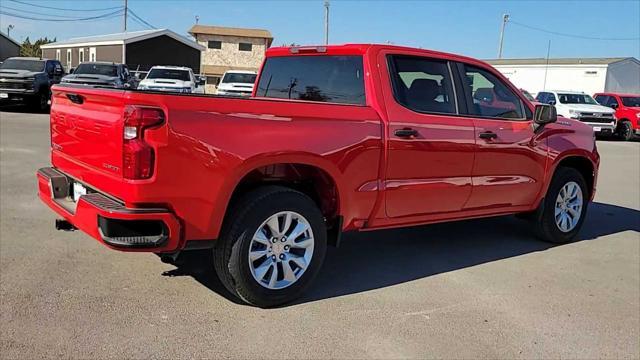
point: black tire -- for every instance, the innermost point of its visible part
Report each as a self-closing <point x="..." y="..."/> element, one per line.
<point x="243" y="220"/>
<point x="545" y="224"/>
<point x="625" y="130"/>
<point x="40" y="102"/>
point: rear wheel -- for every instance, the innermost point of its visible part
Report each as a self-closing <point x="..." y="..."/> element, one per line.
<point x="562" y="212"/>
<point x="625" y="130"/>
<point x="271" y="247"/>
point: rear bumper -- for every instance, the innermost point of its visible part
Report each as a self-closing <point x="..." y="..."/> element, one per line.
<point x="109" y="221"/>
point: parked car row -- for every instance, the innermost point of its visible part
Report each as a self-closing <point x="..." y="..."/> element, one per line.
<point x="29" y="80"/>
<point x="606" y="113"/>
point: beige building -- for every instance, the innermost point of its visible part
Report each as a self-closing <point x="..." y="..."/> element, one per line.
<point x="229" y="49"/>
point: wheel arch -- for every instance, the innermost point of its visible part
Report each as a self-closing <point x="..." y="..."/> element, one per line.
<point x="583" y="164"/>
<point x="309" y="174"/>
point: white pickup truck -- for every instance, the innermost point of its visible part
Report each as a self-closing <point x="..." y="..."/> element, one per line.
<point x="582" y="107"/>
<point x="171" y="78"/>
<point x="237" y="83"/>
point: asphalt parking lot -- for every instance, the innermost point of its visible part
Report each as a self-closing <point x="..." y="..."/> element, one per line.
<point x="481" y="288"/>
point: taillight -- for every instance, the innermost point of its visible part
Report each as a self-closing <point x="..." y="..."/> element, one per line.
<point x="137" y="155"/>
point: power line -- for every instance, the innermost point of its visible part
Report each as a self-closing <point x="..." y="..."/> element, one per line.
<point x="63" y="9"/>
<point x="134" y="15"/>
<point x="571" y="35"/>
<point x="99" y="17"/>
<point x="36" y="12"/>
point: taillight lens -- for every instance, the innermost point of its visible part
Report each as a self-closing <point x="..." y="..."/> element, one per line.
<point x="137" y="155"/>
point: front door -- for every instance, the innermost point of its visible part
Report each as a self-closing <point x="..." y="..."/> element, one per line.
<point x="430" y="147"/>
<point x="510" y="160"/>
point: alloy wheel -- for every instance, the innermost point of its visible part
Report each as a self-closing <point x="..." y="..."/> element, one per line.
<point x="281" y="250"/>
<point x="568" y="208"/>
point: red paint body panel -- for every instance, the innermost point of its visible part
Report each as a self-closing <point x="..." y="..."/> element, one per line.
<point x="207" y="144"/>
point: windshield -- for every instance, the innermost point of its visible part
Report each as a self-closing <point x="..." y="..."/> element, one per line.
<point x="97" y="69"/>
<point x="239" y="78"/>
<point x="172" y="74"/>
<point x="576" y="99"/>
<point x="21" y="64"/>
<point x="631" y="101"/>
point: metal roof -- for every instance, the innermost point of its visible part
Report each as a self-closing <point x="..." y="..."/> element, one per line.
<point x="9" y="38"/>
<point x="559" y="61"/>
<point x="230" y="31"/>
<point x="122" y="38"/>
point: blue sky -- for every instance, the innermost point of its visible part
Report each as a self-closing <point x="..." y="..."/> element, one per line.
<point x="465" y="27"/>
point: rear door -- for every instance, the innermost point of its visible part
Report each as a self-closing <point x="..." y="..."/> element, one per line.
<point x="430" y="147"/>
<point x="509" y="161"/>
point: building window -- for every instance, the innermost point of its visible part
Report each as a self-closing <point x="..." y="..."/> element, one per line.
<point x="92" y="54"/>
<point x="68" y="58"/>
<point x="58" y="54"/>
<point x="214" y="44"/>
<point x="244" y="47"/>
<point x="81" y="55"/>
<point x="213" y="80"/>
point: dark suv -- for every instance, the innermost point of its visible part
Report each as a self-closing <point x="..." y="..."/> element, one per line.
<point x="29" y="80"/>
<point x="104" y="74"/>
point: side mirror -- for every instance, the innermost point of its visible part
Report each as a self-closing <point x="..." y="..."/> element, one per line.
<point x="613" y="106"/>
<point x="201" y="80"/>
<point x="545" y="114"/>
<point x="552" y="102"/>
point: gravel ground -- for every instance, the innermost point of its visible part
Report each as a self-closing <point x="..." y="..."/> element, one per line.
<point x="471" y="289"/>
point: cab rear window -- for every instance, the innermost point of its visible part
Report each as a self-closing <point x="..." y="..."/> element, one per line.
<point x="334" y="79"/>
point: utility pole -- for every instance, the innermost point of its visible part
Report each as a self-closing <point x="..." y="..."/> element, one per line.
<point x="126" y="10"/>
<point x="9" y="29"/>
<point x="326" y="22"/>
<point x="505" y="18"/>
<point x="546" y="68"/>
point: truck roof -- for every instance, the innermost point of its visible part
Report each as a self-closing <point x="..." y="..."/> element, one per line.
<point x="360" y="49"/>
<point x="171" y="67"/>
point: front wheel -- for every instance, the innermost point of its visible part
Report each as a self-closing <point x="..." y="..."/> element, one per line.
<point x="41" y="102"/>
<point x="625" y="131"/>
<point x="562" y="212"/>
<point x="272" y="246"/>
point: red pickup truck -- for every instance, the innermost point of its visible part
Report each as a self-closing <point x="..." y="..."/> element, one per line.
<point x="334" y="139"/>
<point x="627" y="107"/>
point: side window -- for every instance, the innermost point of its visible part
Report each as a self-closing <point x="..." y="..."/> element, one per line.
<point x="542" y="97"/>
<point x="551" y="98"/>
<point x="49" y="67"/>
<point x="490" y="96"/>
<point x="336" y="79"/>
<point x="602" y="99"/>
<point x="612" y="101"/>
<point x="422" y="85"/>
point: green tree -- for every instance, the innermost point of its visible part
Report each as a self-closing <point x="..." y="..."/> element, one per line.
<point x="33" y="50"/>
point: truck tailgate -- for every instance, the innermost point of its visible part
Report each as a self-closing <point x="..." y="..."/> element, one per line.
<point x="87" y="126"/>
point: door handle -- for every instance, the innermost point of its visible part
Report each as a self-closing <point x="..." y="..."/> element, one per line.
<point x="488" y="135"/>
<point x="406" y="133"/>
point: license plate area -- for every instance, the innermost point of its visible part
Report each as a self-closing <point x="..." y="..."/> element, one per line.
<point x="4" y="96"/>
<point x="77" y="191"/>
<point x="597" y="128"/>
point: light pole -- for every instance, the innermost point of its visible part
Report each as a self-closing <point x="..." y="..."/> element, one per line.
<point x="9" y="29"/>
<point x="505" y="18"/>
<point x="326" y="22"/>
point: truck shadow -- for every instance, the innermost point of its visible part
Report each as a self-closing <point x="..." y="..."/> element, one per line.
<point x="372" y="260"/>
